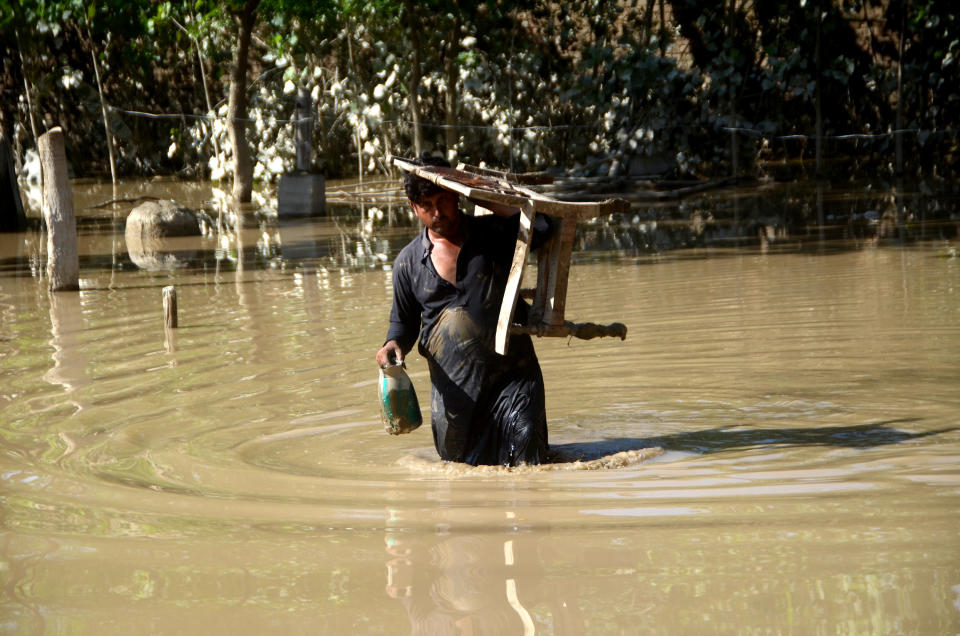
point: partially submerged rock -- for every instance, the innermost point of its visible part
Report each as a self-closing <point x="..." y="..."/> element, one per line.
<point x="160" y="219"/>
<point x="150" y="228"/>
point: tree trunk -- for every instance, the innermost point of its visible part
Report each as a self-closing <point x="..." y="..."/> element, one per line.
<point x="662" y="39"/>
<point x="818" y="94"/>
<point x="237" y="106"/>
<point x="646" y="22"/>
<point x="13" y="99"/>
<point x="303" y="130"/>
<point x="450" y="98"/>
<point x="415" y="76"/>
<point x="899" y="122"/>
<point x="12" y="217"/>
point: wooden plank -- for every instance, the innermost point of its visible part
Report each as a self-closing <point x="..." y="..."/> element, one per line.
<point x="470" y="186"/>
<point x="524" y="178"/>
<point x="514" y="280"/>
<point x="483" y="188"/>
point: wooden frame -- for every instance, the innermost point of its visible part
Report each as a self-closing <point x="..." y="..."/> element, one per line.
<point x="549" y="297"/>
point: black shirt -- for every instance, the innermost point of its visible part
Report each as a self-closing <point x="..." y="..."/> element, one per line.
<point x="483" y="265"/>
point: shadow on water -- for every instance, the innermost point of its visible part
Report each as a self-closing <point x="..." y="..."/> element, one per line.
<point x="728" y="438"/>
<point x="627" y="452"/>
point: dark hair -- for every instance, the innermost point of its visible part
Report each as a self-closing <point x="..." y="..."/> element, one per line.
<point x="417" y="187"/>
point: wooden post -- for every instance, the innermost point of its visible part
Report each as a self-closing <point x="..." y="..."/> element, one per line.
<point x="170" y="307"/>
<point x="103" y="109"/>
<point x="62" y="260"/>
<point x="303" y="130"/>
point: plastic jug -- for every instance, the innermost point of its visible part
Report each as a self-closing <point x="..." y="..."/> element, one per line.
<point x="399" y="408"/>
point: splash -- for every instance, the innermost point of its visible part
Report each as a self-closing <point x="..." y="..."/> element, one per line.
<point x="558" y="461"/>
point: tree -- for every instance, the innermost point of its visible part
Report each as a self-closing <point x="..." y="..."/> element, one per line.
<point x="278" y="16"/>
<point x="245" y="16"/>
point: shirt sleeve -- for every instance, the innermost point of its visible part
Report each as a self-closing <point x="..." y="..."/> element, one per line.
<point x="405" y="313"/>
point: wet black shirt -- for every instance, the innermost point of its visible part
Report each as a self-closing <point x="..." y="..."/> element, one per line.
<point x="483" y="265"/>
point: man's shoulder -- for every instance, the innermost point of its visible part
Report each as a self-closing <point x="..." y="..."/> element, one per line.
<point x="411" y="252"/>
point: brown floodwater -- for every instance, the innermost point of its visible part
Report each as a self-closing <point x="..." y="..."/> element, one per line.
<point x="232" y="476"/>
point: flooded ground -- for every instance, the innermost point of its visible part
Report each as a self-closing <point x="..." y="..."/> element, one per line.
<point x="232" y="475"/>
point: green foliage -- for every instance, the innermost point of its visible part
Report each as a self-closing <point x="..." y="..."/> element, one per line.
<point x="532" y="84"/>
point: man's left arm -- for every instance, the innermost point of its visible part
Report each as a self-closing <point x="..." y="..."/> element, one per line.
<point x="543" y="225"/>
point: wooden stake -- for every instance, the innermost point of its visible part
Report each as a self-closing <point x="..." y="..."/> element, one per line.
<point x="103" y="112"/>
<point x="170" y="307"/>
<point x="62" y="261"/>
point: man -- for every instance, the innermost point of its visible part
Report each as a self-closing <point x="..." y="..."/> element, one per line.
<point x="448" y="285"/>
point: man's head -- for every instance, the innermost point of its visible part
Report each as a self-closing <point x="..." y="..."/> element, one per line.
<point x="437" y="208"/>
<point x="418" y="187"/>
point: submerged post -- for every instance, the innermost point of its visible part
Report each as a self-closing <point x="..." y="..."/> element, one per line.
<point x="301" y="193"/>
<point x="170" y="307"/>
<point x="62" y="261"/>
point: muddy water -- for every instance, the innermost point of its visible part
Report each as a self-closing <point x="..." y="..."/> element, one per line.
<point x="232" y="476"/>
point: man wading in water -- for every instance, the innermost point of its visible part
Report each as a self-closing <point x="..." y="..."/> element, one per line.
<point x="448" y="285"/>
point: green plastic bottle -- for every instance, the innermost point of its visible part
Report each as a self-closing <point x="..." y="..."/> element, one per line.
<point x="399" y="408"/>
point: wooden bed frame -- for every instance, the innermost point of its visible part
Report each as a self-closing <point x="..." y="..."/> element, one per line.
<point x="548" y="299"/>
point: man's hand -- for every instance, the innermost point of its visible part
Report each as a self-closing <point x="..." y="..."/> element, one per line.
<point x="391" y="353"/>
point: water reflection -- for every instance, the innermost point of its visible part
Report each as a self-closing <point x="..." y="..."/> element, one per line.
<point x="490" y="583"/>
<point x="170" y="342"/>
<point x="159" y="254"/>
<point x="810" y="216"/>
<point x="820" y="216"/>
<point x="66" y="338"/>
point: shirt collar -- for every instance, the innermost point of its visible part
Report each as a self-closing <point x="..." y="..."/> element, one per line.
<point x="426" y="244"/>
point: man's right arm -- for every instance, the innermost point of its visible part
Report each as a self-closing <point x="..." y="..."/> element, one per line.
<point x="404" y="320"/>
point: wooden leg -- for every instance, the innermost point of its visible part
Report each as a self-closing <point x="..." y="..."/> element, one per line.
<point x="512" y="291"/>
<point x="554" y="268"/>
<point x="560" y="273"/>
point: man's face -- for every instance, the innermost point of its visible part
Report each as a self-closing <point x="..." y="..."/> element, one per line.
<point x="440" y="212"/>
